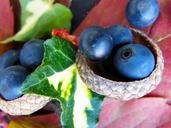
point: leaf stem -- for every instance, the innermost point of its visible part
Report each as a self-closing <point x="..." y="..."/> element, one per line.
<point x="8" y="40"/>
<point x="163" y="38"/>
<point x="51" y="2"/>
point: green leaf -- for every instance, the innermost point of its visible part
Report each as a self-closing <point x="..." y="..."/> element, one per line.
<point x="39" y="17"/>
<point x="58" y="78"/>
<point x="24" y="13"/>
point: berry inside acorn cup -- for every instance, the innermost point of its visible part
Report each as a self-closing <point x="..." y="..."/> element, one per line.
<point x="128" y="59"/>
<point x="115" y="47"/>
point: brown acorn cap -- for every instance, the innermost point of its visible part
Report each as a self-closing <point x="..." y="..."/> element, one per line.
<point x="25" y="105"/>
<point x="118" y="89"/>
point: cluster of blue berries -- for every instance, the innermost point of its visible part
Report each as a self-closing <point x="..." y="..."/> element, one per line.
<point x="15" y="65"/>
<point x="131" y="59"/>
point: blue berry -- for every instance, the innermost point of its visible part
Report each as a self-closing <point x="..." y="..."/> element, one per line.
<point x="142" y="13"/>
<point x="31" y="54"/>
<point x="11" y="80"/>
<point x="95" y="44"/>
<point x="120" y="35"/>
<point x="9" y="58"/>
<point x="134" y="61"/>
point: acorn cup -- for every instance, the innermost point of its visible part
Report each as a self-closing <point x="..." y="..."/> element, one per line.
<point x="118" y="89"/>
<point x="25" y="105"/>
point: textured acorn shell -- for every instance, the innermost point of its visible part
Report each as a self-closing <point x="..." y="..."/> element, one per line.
<point x="25" y="105"/>
<point x="123" y="90"/>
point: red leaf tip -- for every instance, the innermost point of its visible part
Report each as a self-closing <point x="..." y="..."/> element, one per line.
<point x="63" y="33"/>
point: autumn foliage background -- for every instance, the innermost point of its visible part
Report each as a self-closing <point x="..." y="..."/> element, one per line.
<point x="150" y="111"/>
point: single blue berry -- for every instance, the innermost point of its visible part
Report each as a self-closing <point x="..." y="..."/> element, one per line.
<point x="120" y="34"/>
<point x="142" y="13"/>
<point x="9" y="58"/>
<point x="95" y="44"/>
<point x="11" y="80"/>
<point x="134" y="61"/>
<point x="31" y="54"/>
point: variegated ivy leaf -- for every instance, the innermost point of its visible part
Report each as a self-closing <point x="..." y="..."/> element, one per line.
<point x="39" y="17"/>
<point x="58" y="78"/>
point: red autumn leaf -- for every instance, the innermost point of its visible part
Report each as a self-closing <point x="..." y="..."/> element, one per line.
<point x="6" y="23"/>
<point x="52" y="119"/>
<point x="164" y="88"/>
<point x="6" y="20"/>
<point x="141" y="113"/>
<point x="105" y="13"/>
<point x="41" y="121"/>
<point x="64" y="2"/>
<point x="162" y="27"/>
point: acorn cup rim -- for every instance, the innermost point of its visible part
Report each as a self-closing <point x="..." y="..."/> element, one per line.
<point x="24" y="105"/>
<point x="107" y="87"/>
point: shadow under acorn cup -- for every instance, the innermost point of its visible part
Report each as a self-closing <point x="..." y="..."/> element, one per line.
<point x="122" y="90"/>
<point x="24" y="105"/>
